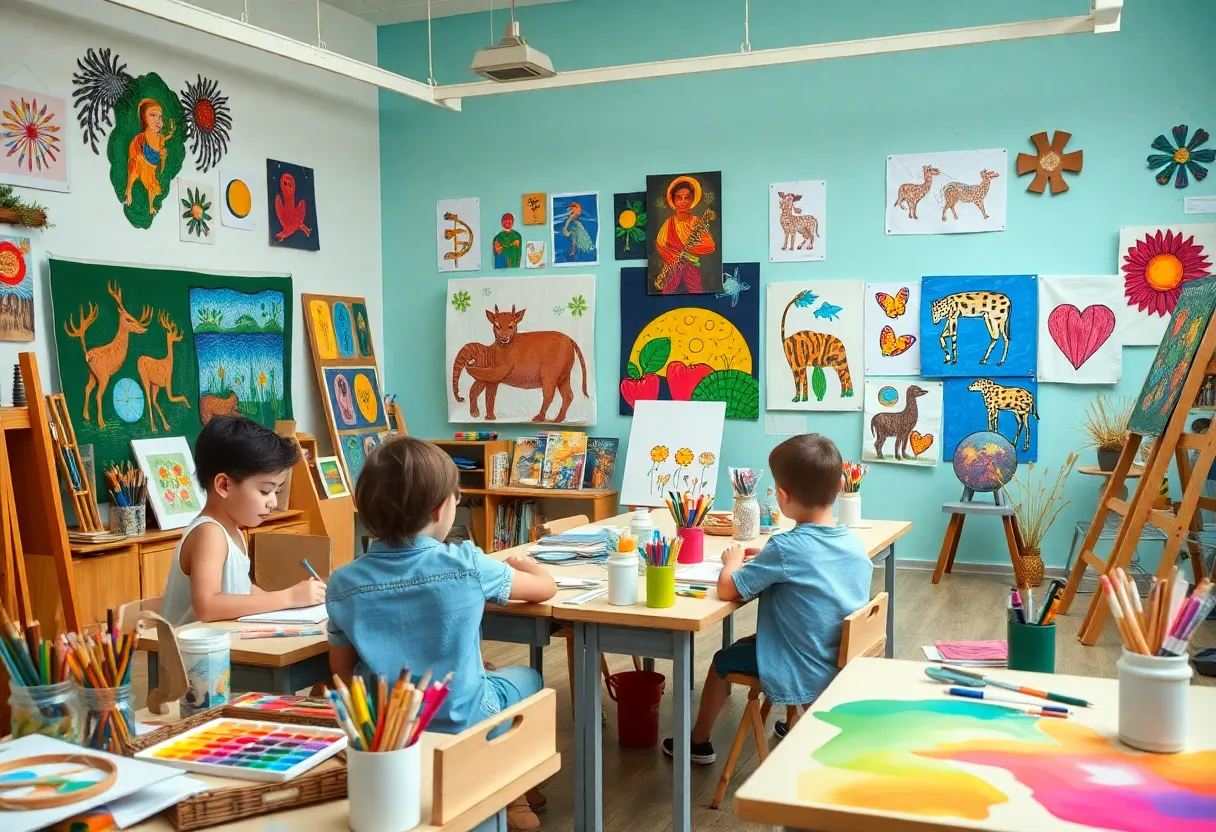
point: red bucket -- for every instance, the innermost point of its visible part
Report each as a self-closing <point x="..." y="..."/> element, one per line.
<point x="637" y="694"/>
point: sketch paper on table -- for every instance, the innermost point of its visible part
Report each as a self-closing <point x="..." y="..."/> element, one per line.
<point x="1008" y="406"/>
<point x="236" y="200"/>
<point x="982" y="326"/>
<point x="1155" y="262"/>
<point x="458" y="234"/>
<point x="575" y="224"/>
<point x="892" y="328"/>
<point x="955" y="192"/>
<point x="34" y="138"/>
<point x="1078" y="342"/>
<point x="814" y="343"/>
<point x="797" y="221"/>
<point x="528" y="347"/>
<point x="902" y="422"/>
<point x="668" y="442"/>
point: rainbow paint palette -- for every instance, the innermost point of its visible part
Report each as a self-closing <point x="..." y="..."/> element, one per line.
<point x="248" y="750"/>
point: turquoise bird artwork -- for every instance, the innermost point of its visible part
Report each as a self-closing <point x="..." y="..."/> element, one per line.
<point x="732" y="287"/>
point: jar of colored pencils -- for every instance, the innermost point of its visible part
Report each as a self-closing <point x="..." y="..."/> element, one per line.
<point x="49" y="710"/>
<point x="660" y="587"/>
<point x="109" y="718"/>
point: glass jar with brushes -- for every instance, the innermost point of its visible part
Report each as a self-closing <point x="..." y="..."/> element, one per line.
<point x="746" y="514"/>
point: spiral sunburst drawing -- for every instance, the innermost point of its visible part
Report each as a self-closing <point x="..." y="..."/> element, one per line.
<point x="100" y="82"/>
<point x="208" y="121"/>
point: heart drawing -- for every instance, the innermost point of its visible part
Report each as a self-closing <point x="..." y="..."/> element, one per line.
<point x="1080" y="334"/>
<point x="920" y="442"/>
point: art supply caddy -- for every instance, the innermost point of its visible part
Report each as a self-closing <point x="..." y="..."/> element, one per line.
<point x="1030" y="629"/>
<point x="848" y="503"/>
<point x="689" y="515"/>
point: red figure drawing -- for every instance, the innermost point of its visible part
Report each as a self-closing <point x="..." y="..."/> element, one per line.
<point x="288" y="210"/>
<point x="1079" y="334"/>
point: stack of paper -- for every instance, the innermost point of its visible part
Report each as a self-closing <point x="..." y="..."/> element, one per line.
<point x="591" y="545"/>
<point x="968" y="653"/>
<point x="302" y="615"/>
<point x="701" y="574"/>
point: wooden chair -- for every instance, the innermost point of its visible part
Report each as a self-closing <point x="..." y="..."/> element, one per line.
<point x="567" y="633"/>
<point x="863" y="633"/>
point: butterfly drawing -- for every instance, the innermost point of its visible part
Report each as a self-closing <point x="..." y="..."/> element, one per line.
<point x="893" y="306"/>
<point x="892" y="344"/>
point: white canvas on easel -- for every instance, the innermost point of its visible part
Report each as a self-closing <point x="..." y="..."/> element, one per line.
<point x="673" y="446"/>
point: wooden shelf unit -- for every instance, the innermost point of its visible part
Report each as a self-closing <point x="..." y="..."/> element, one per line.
<point x="335" y="517"/>
<point x="553" y="504"/>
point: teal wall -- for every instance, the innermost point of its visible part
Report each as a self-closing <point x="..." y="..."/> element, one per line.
<point x="837" y="121"/>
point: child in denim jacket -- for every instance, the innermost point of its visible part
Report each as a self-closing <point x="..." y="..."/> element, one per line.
<point x="413" y="601"/>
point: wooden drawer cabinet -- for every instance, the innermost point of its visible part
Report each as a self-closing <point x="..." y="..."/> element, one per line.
<point x="154" y="566"/>
<point x="106" y="582"/>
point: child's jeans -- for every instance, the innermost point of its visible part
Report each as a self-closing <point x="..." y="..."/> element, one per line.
<point x="512" y="685"/>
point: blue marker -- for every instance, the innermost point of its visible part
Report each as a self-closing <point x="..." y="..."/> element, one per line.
<point x="308" y="566"/>
<point x="971" y="693"/>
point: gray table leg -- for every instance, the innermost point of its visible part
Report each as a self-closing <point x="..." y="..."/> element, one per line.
<point x="648" y="663"/>
<point x="889" y="581"/>
<point x="682" y="728"/>
<point x="593" y="707"/>
<point x="536" y="656"/>
<point x="580" y="720"/>
<point x="728" y="631"/>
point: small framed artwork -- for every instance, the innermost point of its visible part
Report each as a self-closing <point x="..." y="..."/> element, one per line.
<point x="333" y="478"/>
<point x="173" y="488"/>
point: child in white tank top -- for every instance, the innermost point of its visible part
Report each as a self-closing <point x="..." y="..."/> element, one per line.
<point x="241" y="465"/>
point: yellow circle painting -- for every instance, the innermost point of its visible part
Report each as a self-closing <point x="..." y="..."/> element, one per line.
<point x="698" y="336"/>
<point x="323" y="330"/>
<point x="365" y="396"/>
<point x="240" y="201"/>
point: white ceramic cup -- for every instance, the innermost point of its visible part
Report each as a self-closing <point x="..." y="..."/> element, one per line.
<point x="848" y="508"/>
<point x="384" y="789"/>
<point x="1154" y="695"/>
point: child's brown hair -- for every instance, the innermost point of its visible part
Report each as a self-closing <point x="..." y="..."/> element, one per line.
<point x="402" y="483"/>
<point x="808" y="468"/>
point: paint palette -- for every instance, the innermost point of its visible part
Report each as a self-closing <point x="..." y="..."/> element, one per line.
<point x="248" y="749"/>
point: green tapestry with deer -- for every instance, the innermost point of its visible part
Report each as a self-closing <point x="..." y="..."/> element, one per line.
<point x="147" y="352"/>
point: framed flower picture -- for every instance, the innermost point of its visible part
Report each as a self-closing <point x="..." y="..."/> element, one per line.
<point x="333" y="479"/>
<point x="173" y="489"/>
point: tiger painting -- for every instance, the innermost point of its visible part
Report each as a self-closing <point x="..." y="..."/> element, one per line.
<point x="814" y="349"/>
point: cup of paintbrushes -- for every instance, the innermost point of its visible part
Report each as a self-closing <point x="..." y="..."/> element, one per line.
<point x="129" y="520"/>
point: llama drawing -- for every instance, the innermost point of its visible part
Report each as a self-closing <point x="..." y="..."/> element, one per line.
<point x="794" y="223"/>
<point x="956" y="192"/>
<point x="898" y="425"/>
<point x="911" y="193"/>
<point x="994" y="307"/>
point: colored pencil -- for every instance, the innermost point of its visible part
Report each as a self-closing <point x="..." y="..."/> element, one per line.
<point x="1013" y="686"/>
<point x="401" y="714"/>
<point x="972" y="693"/>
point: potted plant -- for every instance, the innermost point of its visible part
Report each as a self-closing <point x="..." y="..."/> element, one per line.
<point x="1105" y="426"/>
<point x="16" y="211"/>
<point x="1037" y="508"/>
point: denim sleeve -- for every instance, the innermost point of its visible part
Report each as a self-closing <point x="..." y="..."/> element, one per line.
<point x="761" y="572"/>
<point x="495" y="578"/>
<point x="333" y="626"/>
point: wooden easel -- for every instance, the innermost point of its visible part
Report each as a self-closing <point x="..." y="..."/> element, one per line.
<point x="1177" y="521"/>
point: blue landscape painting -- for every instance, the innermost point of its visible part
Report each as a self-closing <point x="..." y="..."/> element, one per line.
<point x="239" y="344"/>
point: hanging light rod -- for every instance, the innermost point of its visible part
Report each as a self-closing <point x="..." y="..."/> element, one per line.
<point x="228" y="28"/>
<point x="1103" y="17"/>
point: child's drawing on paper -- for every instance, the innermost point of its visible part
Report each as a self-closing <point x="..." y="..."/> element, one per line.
<point x="1005" y="406"/>
<point x="946" y="193"/>
<point x="458" y="234"/>
<point x="507" y="244"/>
<point x="631" y="217"/>
<point x="534" y="254"/>
<point x="239" y="346"/>
<point x="797" y="221"/>
<point x="1077" y="323"/>
<point x="981" y="324"/>
<point x="892" y="317"/>
<point x="35" y="151"/>
<point x="1156" y="262"/>
<point x="537" y="350"/>
<point x="903" y="422"/>
<point x="16" y="289"/>
<point x="799" y="359"/>
<point x="576" y="229"/>
<point x="673" y="446"/>
<point x="534" y="209"/>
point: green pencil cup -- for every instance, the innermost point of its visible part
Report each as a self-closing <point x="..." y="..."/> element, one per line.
<point x="660" y="586"/>
<point x="1031" y="647"/>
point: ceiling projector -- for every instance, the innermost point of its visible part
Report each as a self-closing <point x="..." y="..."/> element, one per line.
<point x="512" y="59"/>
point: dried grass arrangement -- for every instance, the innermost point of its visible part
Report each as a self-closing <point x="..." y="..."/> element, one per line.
<point x="1036" y="506"/>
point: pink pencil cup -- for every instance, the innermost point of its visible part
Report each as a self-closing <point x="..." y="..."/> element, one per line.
<point x="692" y="550"/>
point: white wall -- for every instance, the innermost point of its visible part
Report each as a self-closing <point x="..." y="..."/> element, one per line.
<point x="279" y="109"/>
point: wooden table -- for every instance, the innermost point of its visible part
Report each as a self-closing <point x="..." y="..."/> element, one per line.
<point x="654" y="633"/>
<point x="264" y="665"/>
<point x="519" y="760"/>
<point x="867" y="759"/>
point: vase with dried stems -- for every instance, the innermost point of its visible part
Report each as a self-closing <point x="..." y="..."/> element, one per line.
<point x="1105" y="428"/>
<point x="1037" y="508"/>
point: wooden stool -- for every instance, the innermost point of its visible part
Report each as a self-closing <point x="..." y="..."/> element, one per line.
<point x="1000" y="507"/>
<point x="863" y="633"/>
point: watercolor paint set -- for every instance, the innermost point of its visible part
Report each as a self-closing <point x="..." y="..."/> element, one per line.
<point x="273" y="706"/>
<point x="248" y="749"/>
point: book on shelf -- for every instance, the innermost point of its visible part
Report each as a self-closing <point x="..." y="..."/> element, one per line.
<point x="513" y="523"/>
<point x="601" y="462"/>
<point x="565" y="457"/>
<point x="526" y="461"/>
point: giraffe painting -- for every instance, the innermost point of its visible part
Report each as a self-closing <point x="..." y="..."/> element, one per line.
<point x="969" y="317"/>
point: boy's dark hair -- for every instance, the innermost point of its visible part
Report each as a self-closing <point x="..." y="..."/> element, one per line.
<point x="402" y="483"/>
<point x="241" y="448"/>
<point x="808" y="468"/>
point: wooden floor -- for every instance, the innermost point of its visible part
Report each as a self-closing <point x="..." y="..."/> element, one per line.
<point x="637" y="782"/>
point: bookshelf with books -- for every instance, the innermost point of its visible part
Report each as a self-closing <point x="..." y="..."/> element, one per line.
<point x="509" y="514"/>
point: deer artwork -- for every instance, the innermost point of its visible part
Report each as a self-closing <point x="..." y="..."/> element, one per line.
<point x="157" y="373"/>
<point x="105" y="360"/>
<point x="528" y="360"/>
<point x="899" y="425"/>
<point x="957" y="192"/>
<point x="911" y="193"/>
<point x="795" y="223"/>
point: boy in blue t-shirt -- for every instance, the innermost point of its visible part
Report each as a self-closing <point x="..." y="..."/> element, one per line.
<point x="413" y="601"/>
<point x="807" y="579"/>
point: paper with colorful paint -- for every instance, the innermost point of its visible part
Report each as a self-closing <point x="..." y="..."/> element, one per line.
<point x="673" y="446"/>
<point x="1155" y="262"/>
<point x="902" y="422"/>
<point x="892" y="328"/>
<point x="797" y="221"/>
<point x="814" y="345"/>
<point x="953" y="192"/>
<point x="1008" y="406"/>
<point x="1078" y="330"/>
